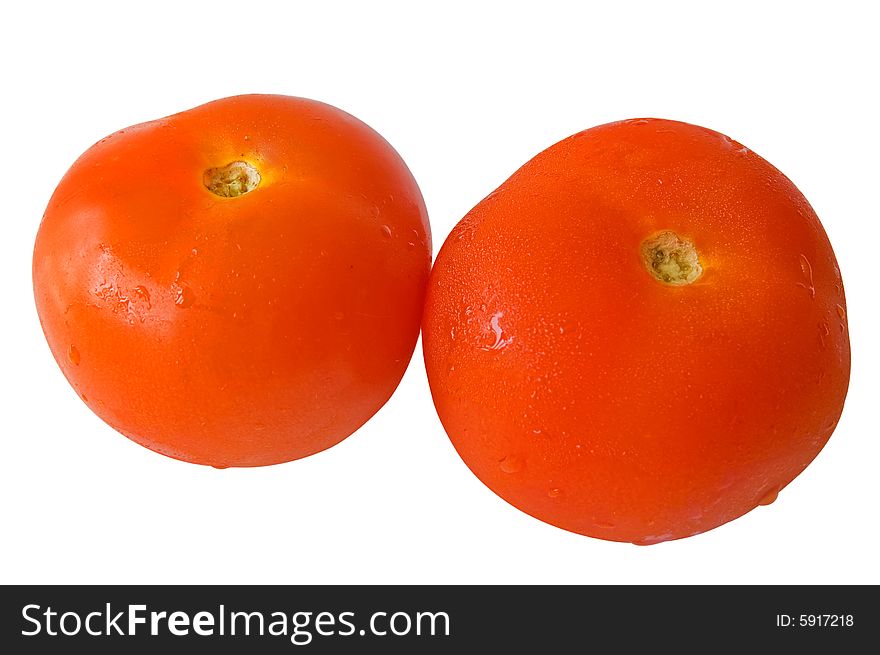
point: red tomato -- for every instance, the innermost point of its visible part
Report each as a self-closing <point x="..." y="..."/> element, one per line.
<point x="239" y="284"/>
<point x="640" y="335"/>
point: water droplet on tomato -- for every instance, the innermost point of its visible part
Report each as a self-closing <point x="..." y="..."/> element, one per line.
<point x="500" y="341"/>
<point x="386" y="231"/>
<point x="73" y="355"/>
<point x="824" y="332"/>
<point x="652" y="539"/>
<point x="807" y="272"/>
<point x="143" y="294"/>
<point x="220" y="467"/>
<point x="769" y="496"/>
<point x="183" y="296"/>
<point x="841" y="312"/>
<point x="554" y="493"/>
<point x="511" y="464"/>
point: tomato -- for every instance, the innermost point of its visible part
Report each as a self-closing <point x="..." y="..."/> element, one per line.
<point x="640" y="335"/>
<point x="239" y="284"/>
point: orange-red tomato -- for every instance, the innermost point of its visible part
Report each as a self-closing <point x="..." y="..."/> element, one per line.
<point x="239" y="284"/>
<point x="640" y="335"/>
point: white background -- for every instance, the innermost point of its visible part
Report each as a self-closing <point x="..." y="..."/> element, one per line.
<point x="466" y="92"/>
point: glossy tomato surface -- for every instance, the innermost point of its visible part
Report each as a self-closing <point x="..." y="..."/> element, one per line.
<point x="639" y="336"/>
<point x="239" y="284"/>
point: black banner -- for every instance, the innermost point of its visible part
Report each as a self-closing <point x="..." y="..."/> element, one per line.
<point x="436" y="619"/>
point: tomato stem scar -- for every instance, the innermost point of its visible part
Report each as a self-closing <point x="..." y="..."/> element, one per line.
<point x="671" y="259"/>
<point x="235" y="179"/>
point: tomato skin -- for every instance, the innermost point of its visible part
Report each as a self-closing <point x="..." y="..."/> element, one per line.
<point x="594" y="397"/>
<point x="235" y="331"/>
